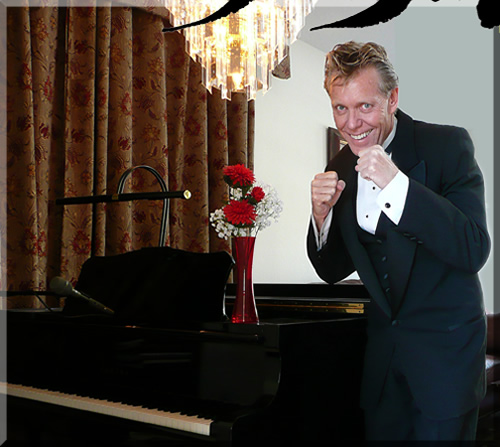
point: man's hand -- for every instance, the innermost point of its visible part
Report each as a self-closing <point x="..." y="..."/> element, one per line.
<point x="325" y="192"/>
<point x="375" y="165"/>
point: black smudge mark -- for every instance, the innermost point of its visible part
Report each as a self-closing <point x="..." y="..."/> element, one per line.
<point x="231" y="6"/>
<point x="382" y="11"/>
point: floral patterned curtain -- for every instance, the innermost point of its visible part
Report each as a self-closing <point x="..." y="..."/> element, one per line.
<point x="92" y="92"/>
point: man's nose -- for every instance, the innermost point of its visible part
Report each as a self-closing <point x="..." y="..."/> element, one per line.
<point x="353" y="120"/>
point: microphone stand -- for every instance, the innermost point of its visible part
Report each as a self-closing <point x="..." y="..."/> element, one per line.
<point x="121" y="197"/>
<point x="36" y="293"/>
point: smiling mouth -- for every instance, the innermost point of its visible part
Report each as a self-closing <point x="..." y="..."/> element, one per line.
<point x="361" y="135"/>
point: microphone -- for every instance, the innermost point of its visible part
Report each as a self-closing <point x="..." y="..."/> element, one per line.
<point x="62" y="287"/>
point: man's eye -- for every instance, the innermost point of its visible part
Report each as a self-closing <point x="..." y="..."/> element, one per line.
<point x="366" y="106"/>
<point x="340" y="108"/>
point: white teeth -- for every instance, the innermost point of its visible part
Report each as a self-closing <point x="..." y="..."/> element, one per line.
<point x="360" y="136"/>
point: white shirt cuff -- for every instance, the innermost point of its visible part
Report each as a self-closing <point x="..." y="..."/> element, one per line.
<point x="392" y="198"/>
<point x="322" y="235"/>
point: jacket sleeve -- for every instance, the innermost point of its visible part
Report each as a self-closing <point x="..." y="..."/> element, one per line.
<point x="332" y="263"/>
<point x="448" y="218"/>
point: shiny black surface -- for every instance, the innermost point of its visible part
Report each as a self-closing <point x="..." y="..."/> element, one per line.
<point x="292" y="377"/>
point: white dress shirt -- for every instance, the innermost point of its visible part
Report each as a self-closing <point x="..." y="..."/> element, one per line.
<point x="371" y="201"/>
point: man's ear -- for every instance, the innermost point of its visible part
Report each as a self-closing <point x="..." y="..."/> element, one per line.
<point x="394" y="100"/>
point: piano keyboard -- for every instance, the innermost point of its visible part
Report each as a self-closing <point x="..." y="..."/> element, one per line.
<point x="178" y="421"/>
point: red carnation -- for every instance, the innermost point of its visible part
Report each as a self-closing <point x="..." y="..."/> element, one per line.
<point x="238" y="175"/>
<point x="257" y="194"/>
<point x="240" y="213"/>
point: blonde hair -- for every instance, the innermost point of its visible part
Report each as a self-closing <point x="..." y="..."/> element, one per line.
<point x="347" y="59"/>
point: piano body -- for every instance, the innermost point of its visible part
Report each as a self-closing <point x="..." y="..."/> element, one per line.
<point x="77" y="378"/>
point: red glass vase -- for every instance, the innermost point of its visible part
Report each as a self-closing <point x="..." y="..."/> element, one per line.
<point x="244" y="309"/>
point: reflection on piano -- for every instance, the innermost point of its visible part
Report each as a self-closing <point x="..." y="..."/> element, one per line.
<point x="83" y="379"/>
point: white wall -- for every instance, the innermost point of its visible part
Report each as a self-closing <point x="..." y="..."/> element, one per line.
<point x="432" y="50"/>
<point x="290" y="148"/>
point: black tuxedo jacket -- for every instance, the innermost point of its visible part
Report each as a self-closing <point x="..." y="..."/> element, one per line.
<point x="434" y="254"/>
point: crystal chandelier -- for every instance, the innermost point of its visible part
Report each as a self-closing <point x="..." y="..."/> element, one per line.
<point x="239" y="52"/>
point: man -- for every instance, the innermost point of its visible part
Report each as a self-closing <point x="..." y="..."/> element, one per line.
<point x="403" y="205"/>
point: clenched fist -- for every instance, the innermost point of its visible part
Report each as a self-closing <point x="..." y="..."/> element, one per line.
<point x="325" y="192"/>
<point x="375" y="165"/>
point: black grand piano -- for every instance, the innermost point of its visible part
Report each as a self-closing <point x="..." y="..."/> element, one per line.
<point x="169" y="368"/>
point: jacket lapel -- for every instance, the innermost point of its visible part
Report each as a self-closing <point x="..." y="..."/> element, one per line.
<point x="401" y="248"/>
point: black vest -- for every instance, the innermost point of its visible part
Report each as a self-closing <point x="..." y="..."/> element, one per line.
<point x="376" y="247"/>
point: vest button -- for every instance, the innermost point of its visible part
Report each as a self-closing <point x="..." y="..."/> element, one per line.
<point x="384" y="258"/>
<point x="396" y="323"/>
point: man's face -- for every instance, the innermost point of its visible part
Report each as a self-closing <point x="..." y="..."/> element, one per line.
<point x="363" y="114"/>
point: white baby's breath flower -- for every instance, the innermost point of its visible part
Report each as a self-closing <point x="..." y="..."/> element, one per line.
<point x="267" y="210"/>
